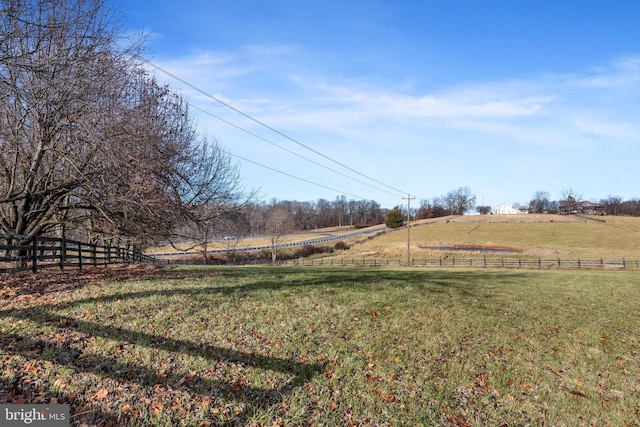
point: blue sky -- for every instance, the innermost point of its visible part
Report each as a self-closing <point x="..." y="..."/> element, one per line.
<point x="505" y="97"/>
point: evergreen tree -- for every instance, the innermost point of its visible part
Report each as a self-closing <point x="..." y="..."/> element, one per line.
<point x="394" y="218"/>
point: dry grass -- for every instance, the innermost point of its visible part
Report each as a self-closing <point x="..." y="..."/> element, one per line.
<point x="529" y="235"/>
<point x="568" y="237"/>
<point x="249" y="242"/>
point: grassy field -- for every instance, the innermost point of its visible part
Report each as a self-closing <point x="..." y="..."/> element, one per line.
<point x="545" y="236"/>
<point x="293" y="346"/>
<point x="533" y="236"/>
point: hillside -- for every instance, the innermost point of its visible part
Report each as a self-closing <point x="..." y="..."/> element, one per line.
<point x="545" y="236"/>
<point x="522" y="235"/>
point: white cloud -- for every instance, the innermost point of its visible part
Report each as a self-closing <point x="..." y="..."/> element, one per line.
<point x="550" y="110"/>
<point x="611" y="129"/>
<point x="624" y="72"/>
<point x="450" y="107"/>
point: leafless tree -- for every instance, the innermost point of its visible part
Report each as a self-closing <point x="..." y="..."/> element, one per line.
<point x="60" y="66"/>
<point x="568" y="198"/>
<point x="540" y="202"/>
<point x="612" y="205"/>
<point x="483" y="209"/>
<point x="459" y="201"/>
<point x="210" y="193"/>
<point x="89" y="139"/>
<point x="279" y="224"/>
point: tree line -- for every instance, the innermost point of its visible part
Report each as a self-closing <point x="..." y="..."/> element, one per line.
<point x="462" y="200"/>
<point x="90" y="142"/>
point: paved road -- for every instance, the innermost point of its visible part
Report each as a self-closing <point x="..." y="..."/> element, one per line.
<point x="328" y="237"/>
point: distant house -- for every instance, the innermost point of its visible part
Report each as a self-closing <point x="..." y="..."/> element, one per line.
<point x="584" y="208"/>
<point x="505" y="209"/>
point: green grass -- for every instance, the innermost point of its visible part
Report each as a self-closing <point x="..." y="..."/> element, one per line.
<point x="269" y="346"/>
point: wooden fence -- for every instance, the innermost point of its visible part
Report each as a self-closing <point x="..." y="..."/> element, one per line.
<point x="506" y="262"/>
<point x="33" y="253"/>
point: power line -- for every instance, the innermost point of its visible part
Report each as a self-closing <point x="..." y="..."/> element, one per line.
<point x="293" y="176"/>
<point x="287" y="150"/>
<point x="242" y="113"/>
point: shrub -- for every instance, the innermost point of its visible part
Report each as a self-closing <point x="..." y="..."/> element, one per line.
<point x="394" y="218"/>
<point x="308" y="250"/>
<point x="341" y="246"/>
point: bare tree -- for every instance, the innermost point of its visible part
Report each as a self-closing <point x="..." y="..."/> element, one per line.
<point x="459" y="201"/>
<point x="568" y="199"/>
<point x="612" y="205"/>
<point x="279" y="224"/>
<point x="540" y="202"/>
<point x="209" y="192"/>
<point x="89" y="139"/>
<point x="60" y="66"/>
<point x="149" y="164"/>
<point x="483" y="209"/>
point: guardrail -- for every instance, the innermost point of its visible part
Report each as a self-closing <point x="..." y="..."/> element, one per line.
<point x="280" y="245"/>
<point x="19" y="253"/>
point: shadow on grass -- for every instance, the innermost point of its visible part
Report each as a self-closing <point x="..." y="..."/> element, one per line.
<point x="113" y="367"/>
<point x="462" y="283"/>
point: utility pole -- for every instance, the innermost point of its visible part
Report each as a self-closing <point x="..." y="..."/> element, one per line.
<point x="408" y="199"/>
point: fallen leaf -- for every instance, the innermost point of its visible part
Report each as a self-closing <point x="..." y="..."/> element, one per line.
<point x="333" y="405"/>
<point x="157" y="408"/>
<point x="372" y="378"/>
<point x="526" y="386"/>
<point x="388" y="397"/>
<point x="101" y="394"/>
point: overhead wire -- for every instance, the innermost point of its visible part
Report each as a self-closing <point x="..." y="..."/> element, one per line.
<point x="285" y="149"/>
<point x="292" y="176"/>
<point x="242" y="113"/>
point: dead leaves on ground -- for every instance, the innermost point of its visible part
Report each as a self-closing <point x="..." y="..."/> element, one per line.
<point x="47" y="286"/>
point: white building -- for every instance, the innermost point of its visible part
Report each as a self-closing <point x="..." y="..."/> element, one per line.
<point x="505" y="209"/>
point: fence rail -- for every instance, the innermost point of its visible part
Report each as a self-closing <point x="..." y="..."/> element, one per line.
<point x="19" y="253"/>
<point x="488" y="262"/>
